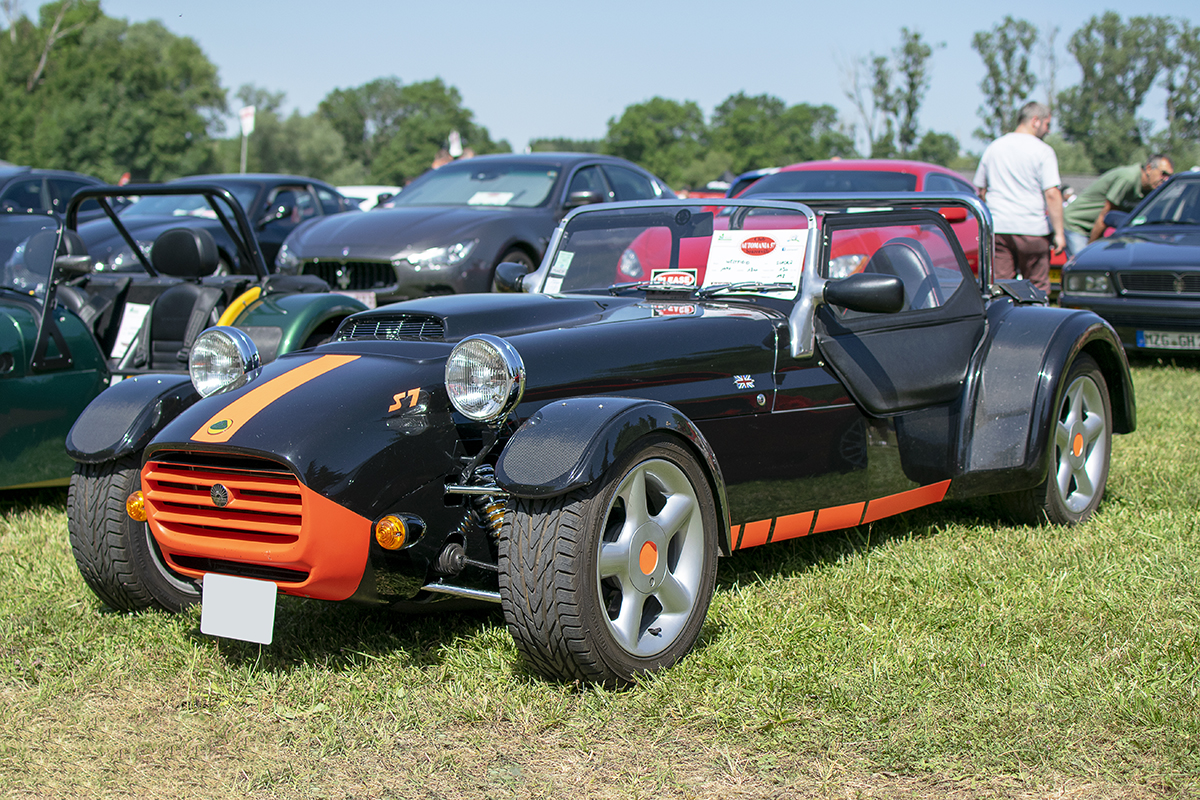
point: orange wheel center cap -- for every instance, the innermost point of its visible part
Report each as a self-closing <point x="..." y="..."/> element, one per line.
<point x="648" y="558"/>
<point x="1077" y="445"/>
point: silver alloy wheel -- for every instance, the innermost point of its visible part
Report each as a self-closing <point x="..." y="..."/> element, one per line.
<point x="1081" y="446"/>
<point x="651" y="558"/>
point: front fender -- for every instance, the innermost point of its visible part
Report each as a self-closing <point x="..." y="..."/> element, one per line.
<point x="570" y="443"/>
<point x="126" y="416"/>
<point x="1011" y="407"/>
<point x="282" y="323"/>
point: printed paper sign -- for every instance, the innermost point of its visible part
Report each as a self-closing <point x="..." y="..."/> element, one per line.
<point x="759" y="256"/>
<point x="490" y="199"/>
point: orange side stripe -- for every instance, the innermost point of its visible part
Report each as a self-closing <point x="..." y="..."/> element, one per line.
<point x="793" y="525"/>
<point x="756" y="533"/>
<point x="838" y="517"/>
<point x="244" y="409"/>
<point x="906" y="501"/>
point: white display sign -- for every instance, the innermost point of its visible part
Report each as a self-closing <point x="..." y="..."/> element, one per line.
<point x="246" y="116"/>
<point x="767" y="256"/>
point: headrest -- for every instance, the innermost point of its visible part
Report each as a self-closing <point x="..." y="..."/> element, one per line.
<point x="185" y="253"/>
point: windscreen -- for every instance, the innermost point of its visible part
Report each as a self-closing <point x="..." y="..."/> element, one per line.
<point x="27" y="252"/>
<point x="481" y="184"/>
<point x="833" y="181"/>
<point x="671" y="247"/>
<point x="1177" y="204"/>
<point x="189" y="205"/>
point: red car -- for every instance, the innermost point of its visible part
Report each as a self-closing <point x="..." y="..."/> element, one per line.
<point x="642" y="259"/>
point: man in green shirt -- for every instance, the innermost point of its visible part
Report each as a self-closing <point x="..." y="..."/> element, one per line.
<point x="1119" y="189"/>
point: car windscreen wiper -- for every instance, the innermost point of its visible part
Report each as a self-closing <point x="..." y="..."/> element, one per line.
<point x="745" y="287"/>
<point x="649" y="286"/>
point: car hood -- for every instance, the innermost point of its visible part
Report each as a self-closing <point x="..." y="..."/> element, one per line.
<point x="383" y="233"/>
<point x="1158" y="248"/>
<point x="102" y="239"/>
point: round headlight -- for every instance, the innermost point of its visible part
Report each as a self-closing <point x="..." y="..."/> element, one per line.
<point x="221" y="356"/>
<point x="485" y="378"/>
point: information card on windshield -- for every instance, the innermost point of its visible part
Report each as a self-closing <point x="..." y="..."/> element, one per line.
<point x="756" y="257"/>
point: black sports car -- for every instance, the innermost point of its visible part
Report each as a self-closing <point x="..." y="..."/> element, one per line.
<point x="24" y="190"/>
<point x="581" y="452"/>
<point x="275" y="204"/>
<point x="1145" y="278"/>
<point x="447" y="231"/>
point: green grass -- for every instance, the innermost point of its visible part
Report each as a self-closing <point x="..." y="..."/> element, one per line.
<point x="944" y="654"/>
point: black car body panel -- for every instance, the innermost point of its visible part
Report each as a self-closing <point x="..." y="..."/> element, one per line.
<point x="1144" y="279"/>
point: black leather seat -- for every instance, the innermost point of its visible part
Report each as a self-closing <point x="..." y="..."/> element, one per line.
<point x="180" y="313"/>
<point x="908" y="261"/>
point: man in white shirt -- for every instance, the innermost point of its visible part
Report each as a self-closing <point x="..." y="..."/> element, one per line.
<point x="1018" y="179"/>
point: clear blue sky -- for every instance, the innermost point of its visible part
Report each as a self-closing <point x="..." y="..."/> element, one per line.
<point x="547" y="69"/>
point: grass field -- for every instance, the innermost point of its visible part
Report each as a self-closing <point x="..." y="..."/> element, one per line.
<point x="942" y="655"/>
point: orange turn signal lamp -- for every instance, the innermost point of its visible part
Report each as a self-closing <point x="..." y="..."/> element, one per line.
<point x="394" y="531"/>
<point x="135" y="506"/>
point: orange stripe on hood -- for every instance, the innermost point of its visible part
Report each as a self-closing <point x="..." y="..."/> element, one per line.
<point x="226" y="422"/>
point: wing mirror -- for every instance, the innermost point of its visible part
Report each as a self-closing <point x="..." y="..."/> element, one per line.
<point x="586" y="198"/>
<point x="73" y="266"/>
<point x="276" y="212"/>
<point x="1116" y="219"/>
<point x="510" y="276"/>
<point x="867" y="292"/>
<point x="953" y="213"/>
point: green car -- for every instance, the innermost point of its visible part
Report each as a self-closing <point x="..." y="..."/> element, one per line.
<point x="71" y="333"/>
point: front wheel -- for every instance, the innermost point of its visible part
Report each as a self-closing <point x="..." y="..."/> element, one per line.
<point x="1080" y="446"/>
<point x="118" y="557"/>
<point x="614" y="579"/>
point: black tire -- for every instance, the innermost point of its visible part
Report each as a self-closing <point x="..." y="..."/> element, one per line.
<point x="118" y="557"/>
<point x="1079" y="450"/>
<point x="574" y="588"/>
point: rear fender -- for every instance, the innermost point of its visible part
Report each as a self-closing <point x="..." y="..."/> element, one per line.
<point x="126" y="416"/>
<point x="1010" y="407"/>
<point x="570" y="443"/>
<point x="279" y="324"/>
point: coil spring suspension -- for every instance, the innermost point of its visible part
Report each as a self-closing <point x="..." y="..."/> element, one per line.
<point x="488" y="509"/>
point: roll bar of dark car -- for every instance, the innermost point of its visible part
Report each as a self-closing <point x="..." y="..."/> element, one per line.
<point x="243" y="237"/>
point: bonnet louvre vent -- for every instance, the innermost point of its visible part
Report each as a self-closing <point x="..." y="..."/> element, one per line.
<point x="392" y="326"/>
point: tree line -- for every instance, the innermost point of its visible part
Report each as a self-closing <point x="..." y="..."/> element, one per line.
<point x="84" y="91"/>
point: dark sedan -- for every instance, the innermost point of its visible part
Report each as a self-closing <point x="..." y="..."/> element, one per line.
<point x="25" y="190"/>
<point x="275" y="204"/>
<point x="1145" y="278"/>
<point x="447" y="231"/>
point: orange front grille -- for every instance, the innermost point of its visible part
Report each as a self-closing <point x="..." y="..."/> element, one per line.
<point x="259" y="506"/>
<point x="252" y="517"/>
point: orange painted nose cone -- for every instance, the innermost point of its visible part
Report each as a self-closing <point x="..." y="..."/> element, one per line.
<point x="1077" y="445"/>
<point x="648" y="558"/>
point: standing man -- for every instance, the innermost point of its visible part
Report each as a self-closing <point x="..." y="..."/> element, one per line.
<point x="1119" y="189"/>
<point x="1018" y="179"/>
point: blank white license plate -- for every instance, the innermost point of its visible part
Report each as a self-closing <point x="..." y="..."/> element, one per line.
<point x="1168" y="341"/>
<point x="238" y="608"/>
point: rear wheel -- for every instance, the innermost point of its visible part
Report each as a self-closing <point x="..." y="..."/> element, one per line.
<point x="119" y="559"/>
<point x="614" y="579"/>
<point x="1080" y="446"/>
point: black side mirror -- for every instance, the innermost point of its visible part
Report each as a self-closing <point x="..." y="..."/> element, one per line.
<point x="73" y="266"/>
<point x="509" y="277"/>
<point x="277" y="212"/>
<point x="586" y="198"/>
<point x="867" y="292"/>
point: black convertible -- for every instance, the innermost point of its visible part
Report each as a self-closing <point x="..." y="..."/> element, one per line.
<point x="581" y="451"/>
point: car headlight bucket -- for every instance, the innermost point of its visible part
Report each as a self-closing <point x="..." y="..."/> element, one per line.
<point x="220" y="357"/>
<point x="1089" y="283"/>
<point x="485" y="378"/>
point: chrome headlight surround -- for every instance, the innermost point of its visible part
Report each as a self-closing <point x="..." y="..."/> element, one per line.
<point x="221" y="357"/>
<point x="485" y="378"/>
